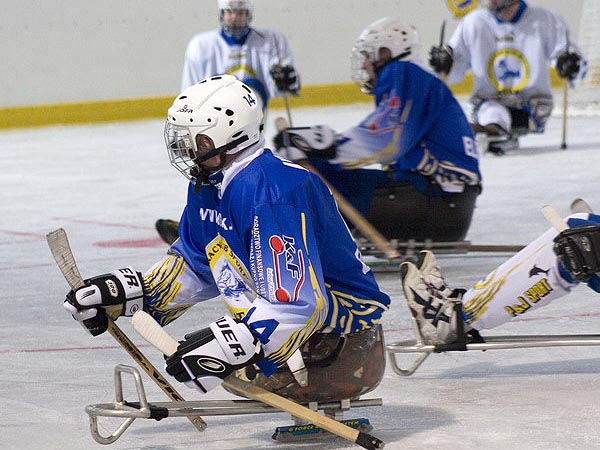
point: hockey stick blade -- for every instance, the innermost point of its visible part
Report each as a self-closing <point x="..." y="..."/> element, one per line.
<point x="61" y="251"/>
<point x="63" y="255"/>
<point x="150" y="330"/>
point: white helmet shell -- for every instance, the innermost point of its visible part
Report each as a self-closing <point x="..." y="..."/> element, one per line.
<point x="219" y="110"/>
<point x="401" y="39"/>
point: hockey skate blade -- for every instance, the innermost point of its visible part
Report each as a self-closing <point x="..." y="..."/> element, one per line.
<point x="310" y="431"/>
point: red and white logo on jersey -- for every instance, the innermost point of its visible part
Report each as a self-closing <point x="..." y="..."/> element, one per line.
<point x="293" y="264"/>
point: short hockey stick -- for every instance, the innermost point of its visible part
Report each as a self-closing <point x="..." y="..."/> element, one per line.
<point x="61" y="251"/>
<point x="563" y="141"/>
<point x="150" y="330"/>
<point x="443" y="75"/>
<point x="362" y="224"/>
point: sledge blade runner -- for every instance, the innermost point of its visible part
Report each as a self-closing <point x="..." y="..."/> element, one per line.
<point x="294" y="433"/>
<point x="142" y="409"/>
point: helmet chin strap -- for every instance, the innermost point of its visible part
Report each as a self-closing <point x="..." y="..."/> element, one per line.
<point x="201" y="173"/>
<point x="369" y="85"/>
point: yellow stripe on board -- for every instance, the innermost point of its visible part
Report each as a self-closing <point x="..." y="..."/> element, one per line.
<point x="156" y="107"/>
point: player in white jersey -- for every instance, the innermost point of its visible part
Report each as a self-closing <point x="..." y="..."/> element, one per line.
<point x="261" y="58"/>
<point x="266" y="235"/>
<point x="508" y="48"/>
<point x="545" y="270"/>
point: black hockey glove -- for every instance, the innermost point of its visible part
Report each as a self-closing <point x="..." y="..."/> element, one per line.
<point x="318" y="141"/>
<point x="440" y="59"/>
<point x="285" y="79"/>
<point x="578" y="249"/>
<point x="567" y="65"/>
<point x="120" y="292"/>
<point x="205" y="358"/>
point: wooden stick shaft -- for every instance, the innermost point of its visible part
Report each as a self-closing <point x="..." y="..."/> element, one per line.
<point x="354" y="216"/>
<point x="563" y="143"/>
<point x="150" y="330"/>
<point x="63" y="255"/>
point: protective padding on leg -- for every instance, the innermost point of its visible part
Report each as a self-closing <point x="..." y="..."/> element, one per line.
<point x="339" y="368"/>
<point x="579" y="251"/>
<point x="493" y="112"/>
<point x="401" y="212"/>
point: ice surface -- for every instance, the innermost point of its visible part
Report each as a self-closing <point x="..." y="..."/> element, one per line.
<point x="107" y="184"/>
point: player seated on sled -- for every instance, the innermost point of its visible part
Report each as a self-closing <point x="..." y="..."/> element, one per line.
<point x="264" y="234"/>
<point x="508" y="47"/>
<point x="546" y="269"/>
<point x="417" y="132"/>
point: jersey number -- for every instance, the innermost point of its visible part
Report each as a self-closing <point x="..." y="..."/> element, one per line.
<point x="263" y="329"/>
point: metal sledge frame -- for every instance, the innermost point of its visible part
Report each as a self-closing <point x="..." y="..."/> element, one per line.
<point x="485" y="343"/>
<point x="491" y="343"/>
<point x="142" y="409"/>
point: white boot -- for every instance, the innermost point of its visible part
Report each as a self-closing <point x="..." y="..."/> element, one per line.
<point x="432" y="308"/>
<point x="428" y="266"/>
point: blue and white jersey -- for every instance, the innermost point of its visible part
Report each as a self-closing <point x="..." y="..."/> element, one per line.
<point x="510" y="60"/>
<point x="417" y="127"/>
<point x="248" y="59"/>
<point x="270" y="239"/>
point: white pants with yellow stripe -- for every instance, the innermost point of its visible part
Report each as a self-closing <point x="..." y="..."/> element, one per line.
<point x="527" y="281"/>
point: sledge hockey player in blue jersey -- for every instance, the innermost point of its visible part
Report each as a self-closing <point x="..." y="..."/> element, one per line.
<point x="266" y="235"/>
<point x="417" y="132"/>
<point x="508" y="47"/>
<point x="545" y="270"/>
<point x="261" y="58"/>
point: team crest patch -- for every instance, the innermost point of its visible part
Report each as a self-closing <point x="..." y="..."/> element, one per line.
<point x="460" y="8"/>
<point x="508" y="70"/>
<point x="289" y="264"/>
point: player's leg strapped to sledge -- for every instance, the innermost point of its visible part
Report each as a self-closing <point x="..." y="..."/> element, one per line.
<point x="547" y="269"/>
<point x="502" y="122"/>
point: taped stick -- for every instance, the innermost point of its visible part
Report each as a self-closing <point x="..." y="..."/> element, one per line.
<point x="63" y="255"/>
<point x="353" y="215"/>
<point x="150" y="330"/>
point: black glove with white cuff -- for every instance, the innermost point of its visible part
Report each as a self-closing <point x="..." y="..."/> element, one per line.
<point x="568" y="65"/>
<point x="285" y="78"/>
<point x="121" y="292"/>
<point x="441" y="59"/>
<point x="318" y="141"/>
<point x="205" y="358"/>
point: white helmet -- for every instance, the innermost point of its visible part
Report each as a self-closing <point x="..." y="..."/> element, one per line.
<point x="217" y="116"/>
<point x="402" y="41"/>
<point x="232" y="30"/>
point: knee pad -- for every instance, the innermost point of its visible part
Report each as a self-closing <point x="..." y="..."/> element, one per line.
<point x="491" y="112"/>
